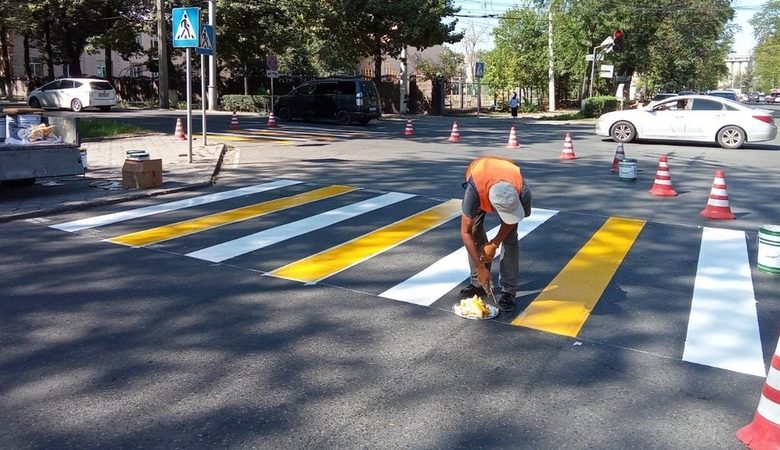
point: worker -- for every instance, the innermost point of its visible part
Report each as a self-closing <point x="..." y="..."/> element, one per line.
<point x="493" y="184"/>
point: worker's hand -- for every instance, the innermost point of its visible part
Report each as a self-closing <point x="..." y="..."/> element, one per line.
<point x="483" y="276"/>
<point x="488" y="252"/>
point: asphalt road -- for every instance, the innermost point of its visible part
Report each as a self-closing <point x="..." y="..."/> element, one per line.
<point x="113" y="346"/>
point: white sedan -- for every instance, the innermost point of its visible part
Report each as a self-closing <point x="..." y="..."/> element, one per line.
<point x="701" y="118"/>
<point x="74" y="93"/>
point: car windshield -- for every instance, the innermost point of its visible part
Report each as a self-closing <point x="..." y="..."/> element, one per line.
<point x="101" y="85"/>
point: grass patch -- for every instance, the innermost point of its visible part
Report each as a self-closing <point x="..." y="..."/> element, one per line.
<point x="99" y="128"/>
<point x="568" y="116"/>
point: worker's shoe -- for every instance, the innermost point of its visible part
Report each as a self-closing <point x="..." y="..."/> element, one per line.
<point x="471" y="290"/>
<point x="506" y="302"/>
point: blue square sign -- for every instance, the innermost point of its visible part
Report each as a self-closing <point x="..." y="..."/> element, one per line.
<point x="186" y="27"/>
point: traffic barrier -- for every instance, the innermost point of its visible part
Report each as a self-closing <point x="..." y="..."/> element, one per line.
<point x="455" y="134"/>
<point x="178" y="132"/>
<point x="234" y="122"/>
<point x="512" y="143"/>
<point x="409" y="130"/>
<point x="271" y="120"/>
<point x="662" y="186"/>
<point x="764" y="431"/>
<point x="619" y="154"/>
<point x="568" y="148"/>
<point x="718" y="204"/>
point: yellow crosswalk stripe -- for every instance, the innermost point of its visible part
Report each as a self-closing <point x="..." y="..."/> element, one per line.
<point x="166" y="232"/>
<point x="565" y="304"/>
<point x="346" y="255"/>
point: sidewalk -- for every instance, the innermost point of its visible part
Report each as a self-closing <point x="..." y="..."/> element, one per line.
<point x="102" y="182"/>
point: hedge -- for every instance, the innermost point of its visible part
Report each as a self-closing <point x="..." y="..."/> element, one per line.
<point x="596" y="106"/>
<point x="246" y="103"/>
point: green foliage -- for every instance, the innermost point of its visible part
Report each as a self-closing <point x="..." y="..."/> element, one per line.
<point x="766" y="70"/>
<point x="449" y="65"/>
<point x="246" y="103"/>
<point x="596" y="106"/>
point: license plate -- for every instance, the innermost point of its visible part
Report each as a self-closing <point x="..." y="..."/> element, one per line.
<point x="102" y="94"/>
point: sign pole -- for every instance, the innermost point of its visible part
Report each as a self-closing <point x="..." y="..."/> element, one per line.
<point x="189" y="109"/>
<point x="203" y="95"/>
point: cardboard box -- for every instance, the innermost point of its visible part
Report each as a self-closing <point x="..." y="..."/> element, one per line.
<point x="142" y="174"/>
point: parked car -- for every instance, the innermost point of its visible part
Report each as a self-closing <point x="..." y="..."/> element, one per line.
<point x="724" y="94"/>
<point x="74" y="93"/>
<point x="700" y="118"/>
<point x="346" y="100"/>
<point x="660" y="97"/>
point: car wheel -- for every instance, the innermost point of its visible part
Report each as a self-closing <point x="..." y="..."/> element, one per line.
<point x="76" y="105"/>
<point x="284" y="114"/>
<point x="343" y="118"/>
<point x="34" y="102"/>
<point x="105" y="108"/>
<point x="731" y="137"/>
<point x="623" y="131"/>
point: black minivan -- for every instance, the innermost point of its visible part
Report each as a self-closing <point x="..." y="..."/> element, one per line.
<point x="345" y="100"/>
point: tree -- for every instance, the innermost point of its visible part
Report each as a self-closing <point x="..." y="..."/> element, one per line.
<point x="449" y="65"/>
<point x="767" y="52"/>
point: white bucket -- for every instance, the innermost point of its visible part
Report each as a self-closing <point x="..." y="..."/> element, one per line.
<point x="10" y="125"/>
<point x="627" y="170"/>
<point x="769" y="248"/>
<point x="83" y="157"/>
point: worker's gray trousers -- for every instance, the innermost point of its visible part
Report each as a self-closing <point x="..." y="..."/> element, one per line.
<point x="509" y="261"/>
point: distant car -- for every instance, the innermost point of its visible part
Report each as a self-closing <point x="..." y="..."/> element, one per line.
<point x="699" y="118"/>
<point x="724" y="94"/>
<point x="660" y="97"/>
<point x="346" y="100"/>
<point x="75" y="94"/>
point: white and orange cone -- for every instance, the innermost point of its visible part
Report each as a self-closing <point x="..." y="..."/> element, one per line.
<point x="409" y="130"/>
<point x="764" y="431"/>
<point x="234" y="122"/>
<point x="662" y="186"/>
<point x="718" y="204"/>
<point x="568" y="148"/>
<point x="455" y="134"/>
<point x="512" y="143"/>
<point x="178" y="132"/>
<point x="271" y="120"/>
<point x="619" y="154"/>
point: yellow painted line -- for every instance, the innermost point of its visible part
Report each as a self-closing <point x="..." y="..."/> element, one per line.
<point x="565" y="304"/>
<point x="184" y="228"/>
<point x="346" y="255"/>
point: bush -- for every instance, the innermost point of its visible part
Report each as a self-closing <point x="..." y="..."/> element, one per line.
<point x="596" y="106"/>
<point x="246" y="103"/>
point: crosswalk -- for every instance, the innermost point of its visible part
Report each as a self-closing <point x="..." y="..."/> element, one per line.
<point x="287" y="133"/>
<point x="582" y="277"/>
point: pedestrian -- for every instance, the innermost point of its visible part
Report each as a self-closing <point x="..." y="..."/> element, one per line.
<point x="493" y="184"/>
<point x="514" y="103"/>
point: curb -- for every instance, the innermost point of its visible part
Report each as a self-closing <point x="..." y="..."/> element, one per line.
<point x="119" y="199"/>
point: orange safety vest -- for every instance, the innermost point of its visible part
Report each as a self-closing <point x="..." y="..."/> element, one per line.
<point x="486" y="171"/>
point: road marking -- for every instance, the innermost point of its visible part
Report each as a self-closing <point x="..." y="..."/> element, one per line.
<point x="336" y="259"/>
<point x="107" y="219"/>
<point x="192" y="226"/>
<point x="438" y="279"/>
<point x="565" y="304"/>
<point x="262" y="239"/>
<point x="723" y="326"/>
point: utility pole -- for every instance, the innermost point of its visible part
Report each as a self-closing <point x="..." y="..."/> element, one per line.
<point x="212" y="61"/>
<point x="162" y="56"/>
<point x="404" y="85"/>
<point x="551" y="65"/>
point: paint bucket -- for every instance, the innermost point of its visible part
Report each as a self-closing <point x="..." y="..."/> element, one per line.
<point x="10" y="127"/>
<point x="83" y="157"/>
<point x="627" y="170"/>
<point x="137" y="155"/>
<point x="769" y="248"/>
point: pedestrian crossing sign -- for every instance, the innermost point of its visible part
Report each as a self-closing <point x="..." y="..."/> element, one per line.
<point x="186" y="27"/>
<point x="206" y="41"/>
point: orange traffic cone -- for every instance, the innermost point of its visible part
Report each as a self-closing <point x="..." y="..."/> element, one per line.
<point x="178" y="133"/>
<point x="271" y="120"/>
<point x="409" y="130"/>
<point x="663" y="180"/>
<point x="718" y="204"/>
<point x="234" y="122"/>
<point x="568" y="148"/>
<point x="764" y="431"/>
<point x="455" y="134"/>
<point x="619" y="154"/>
<point x="512" y="143"/>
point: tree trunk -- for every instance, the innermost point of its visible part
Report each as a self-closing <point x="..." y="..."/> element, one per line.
<point x="109" y="62"/>
<point x="377" y="58"/>
<point x="47" y="49"/>
<point x="6" y="61"/>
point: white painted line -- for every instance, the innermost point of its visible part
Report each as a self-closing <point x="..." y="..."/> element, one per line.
<point x="236" y="157"/>
<point x="262" y="239"/>
<point x="444" y="275"/>
<point x="723" y="326"/>
<point x="121" y="216"/>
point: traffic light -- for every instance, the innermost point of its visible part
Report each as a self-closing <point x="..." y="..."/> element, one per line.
<point x="617" y="41"/>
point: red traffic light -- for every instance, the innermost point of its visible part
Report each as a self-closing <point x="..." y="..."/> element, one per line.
<point x="617" y="41"/>
<point x="618" y="35"/>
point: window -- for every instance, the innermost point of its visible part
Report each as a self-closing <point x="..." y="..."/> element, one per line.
<point x="154" y="43"/>
<point x="136" y="71"/>
<point x="326" y="88"/>
<point x="138" y="39"/>
<point x="706" y="105"/>
<point x="346" y="87"/>
<point x="52" y="86"/>
<point x="100" y="71"/>
<point x="36" y="68"/>
<point x="67" y="84"/>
